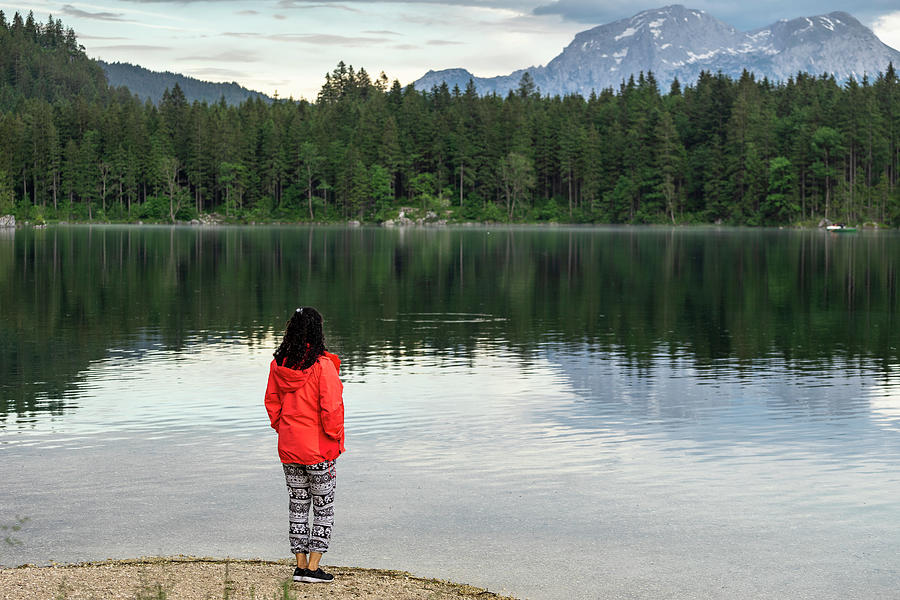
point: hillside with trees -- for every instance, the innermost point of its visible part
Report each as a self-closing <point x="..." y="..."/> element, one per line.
<point x="151" y="85"/>
<point x="44" y="62"/>
<point x="742" y="151"/>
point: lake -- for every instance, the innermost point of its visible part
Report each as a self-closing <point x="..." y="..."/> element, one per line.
<point x="545" y="412"/>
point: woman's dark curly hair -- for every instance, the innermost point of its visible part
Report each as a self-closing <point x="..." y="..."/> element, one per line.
<point x="303" y="341"/>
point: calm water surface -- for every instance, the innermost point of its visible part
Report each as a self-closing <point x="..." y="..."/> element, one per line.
<point x="551" y="413"/>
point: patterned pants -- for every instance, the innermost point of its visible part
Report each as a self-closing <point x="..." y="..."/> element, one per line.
<point x="310" y="484"/>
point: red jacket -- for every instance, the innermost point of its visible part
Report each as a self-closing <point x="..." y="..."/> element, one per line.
<point x="306" y="408"/>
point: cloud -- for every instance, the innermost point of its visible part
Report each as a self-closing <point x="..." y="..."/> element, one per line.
<point x="279" y="17"/>
<point x="887" y="28"/>
<point x="589" y="12"/>
<point x="229" y="56"/>
<point x="514" y="5"/>
<point x="382" y="32"/>
<point x="317" y="3"/>
<point x="217" y="73"/>
<point x="84" y="36"/>
<point x="136" y="17"/>
<point x="131" y="48"/>
<point x="71" y="11"/>
<point x="247" y="13"/>
<point x="444" y="43"/>
<point x="310" y="38"/>
<point x="301" y="4"/>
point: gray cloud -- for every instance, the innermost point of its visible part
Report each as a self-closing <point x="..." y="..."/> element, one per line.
<point x="84" y="36"/>
<point x="591" y="12"/>
<point x="295" y="3"/>
<point x="227" y="56"/>
<point x="289" y="4"/>
<point x="340" y="4"/>
<point x="132" y="48"/>
<point x="217" y="72"/>
<point x="381" y="32"/>
<point x="69" y="10"/>
<point x="301" y="4"/>
<point x="318" y="3"/>
<point x="444" y="43"/>
<point x="310" y="38"/>
<point x="515" y="5"/>
<point x="417" y="19"/>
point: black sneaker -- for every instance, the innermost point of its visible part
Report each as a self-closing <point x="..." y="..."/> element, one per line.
<point x="299" y="574"/>
<point x="317" y="576"/>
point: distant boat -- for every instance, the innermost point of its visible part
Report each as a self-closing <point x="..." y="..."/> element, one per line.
<point x="840" y="229"/>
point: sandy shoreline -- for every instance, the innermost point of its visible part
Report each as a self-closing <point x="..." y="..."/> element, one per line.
<point x="193" y="578"/>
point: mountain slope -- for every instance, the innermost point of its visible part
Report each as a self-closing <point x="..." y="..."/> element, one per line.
<point x="678" y="42"/>
<point x="147" y="84"/>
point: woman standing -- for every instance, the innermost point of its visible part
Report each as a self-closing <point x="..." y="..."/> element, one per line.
<point x="306" y="409"/>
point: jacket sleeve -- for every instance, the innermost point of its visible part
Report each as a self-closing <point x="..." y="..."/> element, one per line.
<point x="273" y="400"/>
<point x="331" y="401"/>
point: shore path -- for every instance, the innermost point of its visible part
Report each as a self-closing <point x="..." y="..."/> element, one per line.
<point x="201" y="579"/>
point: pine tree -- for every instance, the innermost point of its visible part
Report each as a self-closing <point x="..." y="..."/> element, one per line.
<point x="669" y="162"/>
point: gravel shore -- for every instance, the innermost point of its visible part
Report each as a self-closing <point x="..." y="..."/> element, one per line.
<point x="191" y="578"/>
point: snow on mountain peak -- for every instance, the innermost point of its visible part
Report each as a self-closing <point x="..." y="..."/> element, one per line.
<point x="678" y="42"/>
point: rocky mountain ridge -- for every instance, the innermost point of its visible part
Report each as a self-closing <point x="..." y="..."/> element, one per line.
<point x="675" y="42"/>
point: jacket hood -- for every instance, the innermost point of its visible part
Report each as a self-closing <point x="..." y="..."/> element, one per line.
<point x="334" y="358"/>
<point x="293" y="379"/>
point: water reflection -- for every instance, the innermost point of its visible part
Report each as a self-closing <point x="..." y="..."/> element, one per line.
<point x="776" y="413"/>
<point x="583" y="406"/>
<point x="884" y="401"/>
<point x="631" y="433"/>
<point x="69" y="296"/>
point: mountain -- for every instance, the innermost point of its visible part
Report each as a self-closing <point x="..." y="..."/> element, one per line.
<point x="678" y="42"/>
<point x="150" y="85"/>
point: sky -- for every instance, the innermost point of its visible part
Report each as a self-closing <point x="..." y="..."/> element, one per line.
<point x="287" y="46"/>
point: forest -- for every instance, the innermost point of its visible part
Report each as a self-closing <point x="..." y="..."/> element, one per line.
<point x="717" y="150"/>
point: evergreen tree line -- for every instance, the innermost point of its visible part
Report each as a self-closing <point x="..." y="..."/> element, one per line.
<point x="742" y="151"/>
